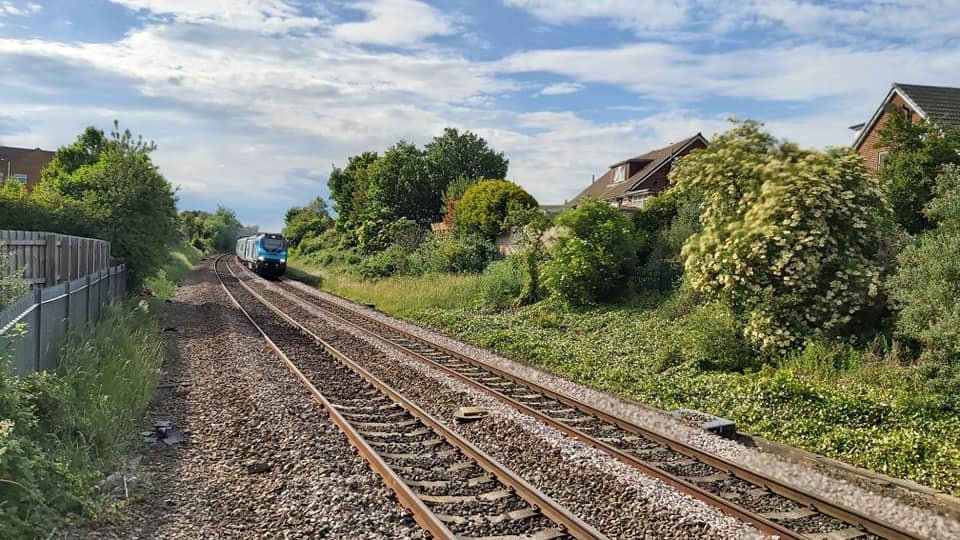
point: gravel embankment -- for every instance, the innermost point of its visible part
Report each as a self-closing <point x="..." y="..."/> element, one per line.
<point x="615" y="498"/>
<point x="924" y="522"/>
<point x="260" y="460"/>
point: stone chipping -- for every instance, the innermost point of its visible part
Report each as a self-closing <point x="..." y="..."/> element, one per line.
<point x="260" y="458"/>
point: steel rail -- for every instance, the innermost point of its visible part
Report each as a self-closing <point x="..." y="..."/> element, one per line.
<point x="838" y="511"/>
<point x="566" y="520"/>
<point x="421" y="513"/>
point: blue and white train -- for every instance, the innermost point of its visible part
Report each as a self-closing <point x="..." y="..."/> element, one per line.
<point x="264" y="253"/>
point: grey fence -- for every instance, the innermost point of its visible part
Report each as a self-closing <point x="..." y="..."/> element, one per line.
<point x="51" y="314"/>
<point x="48" y="259"/>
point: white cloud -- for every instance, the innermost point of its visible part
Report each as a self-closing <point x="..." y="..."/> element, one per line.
<point x="394" y="23"/>
<point x="637" y="15"/>
<point x="802" y="73"/>
<point x="11" y="9"/>
<point x="267" y="16"/>
<point x="560" y="89"/>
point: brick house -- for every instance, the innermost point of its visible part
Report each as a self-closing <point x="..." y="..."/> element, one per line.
<point x="629" y="183"/>
<point x="938" y="104"/>
<point x="23" y="164"/>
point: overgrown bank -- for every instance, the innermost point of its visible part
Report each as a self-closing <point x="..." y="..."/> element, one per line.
<point x="61" y="432"/>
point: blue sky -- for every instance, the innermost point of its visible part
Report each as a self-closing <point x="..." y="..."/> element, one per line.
<point x="252" y="101"/>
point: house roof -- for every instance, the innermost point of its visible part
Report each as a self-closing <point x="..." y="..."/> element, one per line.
<point x="939" y="104"/>
<point x="13" y="152"/>
<point x="605" y="188"/>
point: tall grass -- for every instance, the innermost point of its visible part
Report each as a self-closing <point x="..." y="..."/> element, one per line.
<point x="163" y="284"/>
<point x="400" y="295"/>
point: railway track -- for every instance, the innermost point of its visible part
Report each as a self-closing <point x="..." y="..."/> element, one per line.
<point x="453" y="489"/>
<point x="770" y="505"/>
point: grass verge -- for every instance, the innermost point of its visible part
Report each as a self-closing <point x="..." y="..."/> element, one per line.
<point x="61" y="431"/>
<point x="182" y="257"/>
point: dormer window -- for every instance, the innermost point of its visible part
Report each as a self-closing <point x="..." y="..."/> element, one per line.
<point x="620" y="174"/>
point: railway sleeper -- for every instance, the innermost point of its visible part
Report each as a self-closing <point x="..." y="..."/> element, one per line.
<point x="462" y="499"/>
<point x="394" y="434"/>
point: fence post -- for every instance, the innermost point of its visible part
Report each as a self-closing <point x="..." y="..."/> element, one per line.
<point x="37" y="298"/>
<point x="66" y="329"/>
<point x="86" y="318"/>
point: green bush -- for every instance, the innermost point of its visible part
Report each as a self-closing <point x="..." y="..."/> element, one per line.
<point x="392" y="261"/>
<point x="484" y="208"/>
<point x="595" y="258"/>
<point x="501" y="284"/>
<point x="791" y="238"/>
<point x="458" y="253"/>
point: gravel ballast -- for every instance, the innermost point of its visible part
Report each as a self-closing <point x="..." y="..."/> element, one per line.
<point x="260" y="458"/>
<point x="922" y="521"/>
<point x="615" y="498"/>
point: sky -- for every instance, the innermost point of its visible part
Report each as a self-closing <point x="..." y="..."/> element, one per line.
<point x="252" y="102"/>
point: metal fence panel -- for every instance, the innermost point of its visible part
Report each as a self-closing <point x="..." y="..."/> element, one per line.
<point x="52" y="314"/>
<point x="53" y="324"/>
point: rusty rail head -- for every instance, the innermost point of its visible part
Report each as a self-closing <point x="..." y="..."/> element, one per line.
<point x="842" y="512"/>
<point x="421" y="513"/>
<point x="546" y="505"/>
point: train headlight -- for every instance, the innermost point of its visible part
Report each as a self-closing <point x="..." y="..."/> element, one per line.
<point x="259" y="258"/>
<point x="283" y="260"/>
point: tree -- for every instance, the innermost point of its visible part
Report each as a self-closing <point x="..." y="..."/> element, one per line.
<point x="595" y="257"/>
<point x="791" y="238"/>
<point x="454" y="155"/>
<point x="309" y="221"/>
<point x="123" y="196"/>
<point x="343" y="185"/>
<point x="925" y="284"/>
<point x="399" y="187"/>
<point x="917" y="152"/>
<point x="485" y="206"/>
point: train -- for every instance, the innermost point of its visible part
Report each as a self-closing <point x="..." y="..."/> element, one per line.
<point x="264" y="253"/>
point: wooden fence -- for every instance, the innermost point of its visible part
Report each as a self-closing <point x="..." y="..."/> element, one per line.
<point x="49" y="259"/>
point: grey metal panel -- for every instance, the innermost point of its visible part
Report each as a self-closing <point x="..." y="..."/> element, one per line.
<point x="53" y="324"/>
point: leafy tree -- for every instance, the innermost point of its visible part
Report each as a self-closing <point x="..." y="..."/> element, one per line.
<point x="454" y="155"/>
<point x="925" y="286"/>
<point x="303" y="222"/>
<point x="400" y="187"/>
<point x="791" y="238"/>
<point x="917" y="152"/>
<point x="343" y="185"/>
<point x="457" y="187"/>
<point x="120" y="191"/>
<point x="595" y="257"/>
<point x="485" y="206"/>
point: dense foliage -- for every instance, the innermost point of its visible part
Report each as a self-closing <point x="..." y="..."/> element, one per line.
<point x="791" y="238"/>
<point x="301" y="223"/>
<point x="12" y="285"/>
<point x="596" y="255"/>
<point x="485" y="206"/>
<point x="211" y="233"/>
<point x="454" y="156"/>
<point x="916" y="153"/>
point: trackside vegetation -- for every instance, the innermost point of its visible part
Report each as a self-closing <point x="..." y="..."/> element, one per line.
<point x="63" y="431"/>
<point x="814" y="306"/>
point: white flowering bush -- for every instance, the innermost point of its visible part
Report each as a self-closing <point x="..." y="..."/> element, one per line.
<point x="790" y="237"/>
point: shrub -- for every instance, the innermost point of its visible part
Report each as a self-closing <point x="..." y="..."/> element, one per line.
<point x="391" y="261"/>
<point x="596" y="256"/>
<point x="485" y="206"/>
<point x="502" y="284"/>
<point x="925" y="285"/>
<point x="458" y="253"/>
<point x="708" y="337"/>
<point x="790" y="238"/>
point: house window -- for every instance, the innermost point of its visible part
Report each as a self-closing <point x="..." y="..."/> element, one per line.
<point x="619" y="174"/>
<point x="881" y="157"/>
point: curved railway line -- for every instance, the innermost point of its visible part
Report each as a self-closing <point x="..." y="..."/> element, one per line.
<point x="451" y="487"/>
<point x="772" y="506"/>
